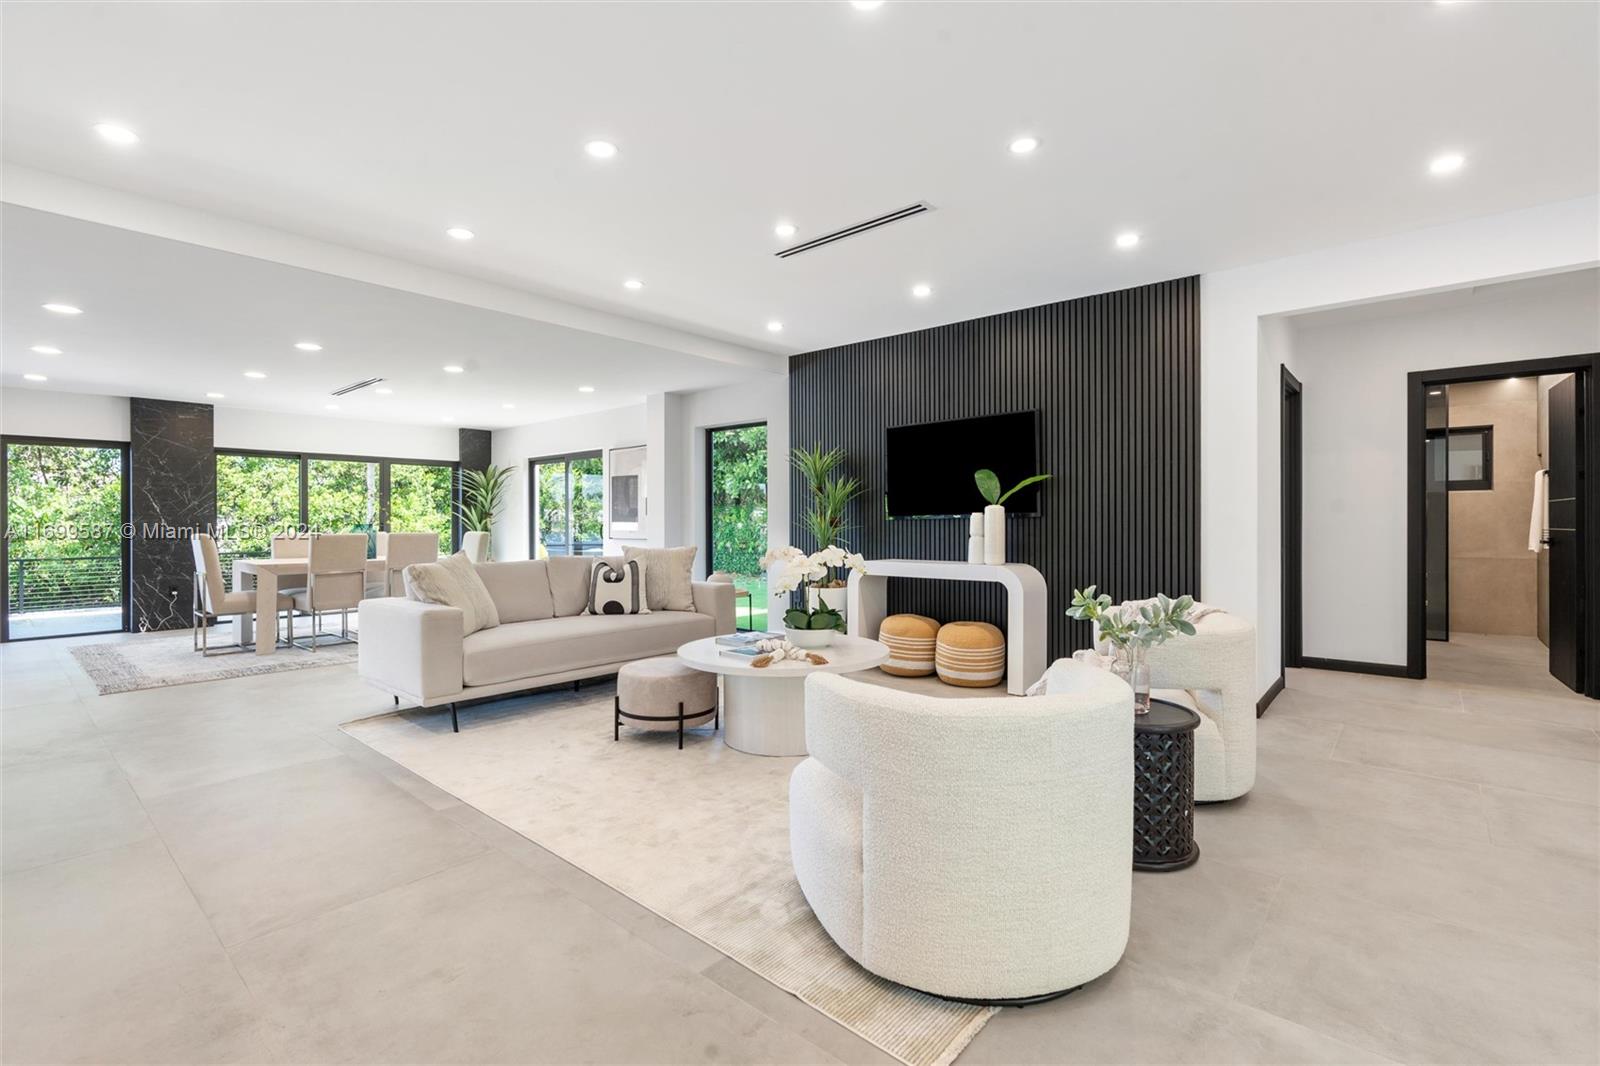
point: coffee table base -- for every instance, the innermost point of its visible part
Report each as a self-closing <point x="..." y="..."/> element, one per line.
<point x="764" y="715"/>
<point x="1162" y="865"/>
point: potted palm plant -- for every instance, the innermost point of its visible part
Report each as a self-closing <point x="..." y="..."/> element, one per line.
<point x="831" y="492"/>
<point x="483" y="493"/>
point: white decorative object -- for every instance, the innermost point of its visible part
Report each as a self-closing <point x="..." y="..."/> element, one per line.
<point x="626" y="502"/>
<point x="1026" y="595"/>
<point x="834" y="599"/>
<point x="910" y="883"/>
<point x="994" y="534"/>
<point x="476" y="545"/>
<point x="764" y="707"/>
<point x="975" y="537"/>
<point x="810" y="638"/>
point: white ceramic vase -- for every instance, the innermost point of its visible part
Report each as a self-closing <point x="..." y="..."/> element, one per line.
<point x="835" y="599"/>
<point x="808" y="638"/>
<point x="994" y="534"/>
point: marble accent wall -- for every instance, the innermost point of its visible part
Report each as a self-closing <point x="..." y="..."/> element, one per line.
<point x="476" y="448"/>
<point x="173" y="493"/>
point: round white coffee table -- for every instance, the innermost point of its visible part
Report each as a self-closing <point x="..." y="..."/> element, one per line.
<point x="764" y="709"/>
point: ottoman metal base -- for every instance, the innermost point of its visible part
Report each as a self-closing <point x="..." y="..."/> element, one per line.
<point x="680" y="718"/>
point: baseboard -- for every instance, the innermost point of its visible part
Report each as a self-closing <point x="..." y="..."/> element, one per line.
<point x="1268" y="696"/>
<point x="1350" y="667"/>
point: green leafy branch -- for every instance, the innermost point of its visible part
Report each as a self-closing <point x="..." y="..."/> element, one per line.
<point x="989" y="485"/>
<point x="1146" y="626"/>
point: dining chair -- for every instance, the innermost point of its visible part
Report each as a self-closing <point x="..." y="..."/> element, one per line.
<point x="400" y="550"/>
<point x="291" y="546"/>
<point x="336" y="580"/>
<point x="212" y="599"/>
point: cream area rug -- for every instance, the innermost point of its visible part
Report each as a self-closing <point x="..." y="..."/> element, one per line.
<point x="157" y="660"/>
<point x="700" y="837"/>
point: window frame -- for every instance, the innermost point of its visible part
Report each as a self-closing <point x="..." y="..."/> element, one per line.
<point x="566" y="459"/>
<point x="710" y="509"/>
<point x="1486" y="434"/>
<point x="305" y="460"/>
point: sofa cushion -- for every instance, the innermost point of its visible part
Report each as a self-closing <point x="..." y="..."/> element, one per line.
<point x="569" y="581"/>
<point x="520" y="590"/>
<point x="554" y="645"/>
<point x="668" y="576"/>
<point x="617" y="589"/>
<point x="453" y="582"/>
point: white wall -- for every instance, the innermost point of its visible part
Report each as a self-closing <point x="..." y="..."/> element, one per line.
<point x="41" y="413"/>
<point x="1354" y="409"/>
<point x="598" y="431"/>
<point x="1239" y="516"/>
<point x="274" y="431"/>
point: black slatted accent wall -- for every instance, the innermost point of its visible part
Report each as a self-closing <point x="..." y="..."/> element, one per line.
<point x="1116" y="381"/>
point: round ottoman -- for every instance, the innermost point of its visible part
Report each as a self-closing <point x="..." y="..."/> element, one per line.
<point x="664" y="694"/>
<point x="911" y="639"/>
<point x="970" y="654"/>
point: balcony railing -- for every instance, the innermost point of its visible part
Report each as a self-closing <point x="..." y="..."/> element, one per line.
<point x="65" y="583"/>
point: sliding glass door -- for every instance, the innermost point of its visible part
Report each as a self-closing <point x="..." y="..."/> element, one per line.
<point x="566" y="505"/>
<point x="736" y="514"/>
<point x="420" y="500"/>
<point x="342" y="496"/>
<point x="65" y="555"/>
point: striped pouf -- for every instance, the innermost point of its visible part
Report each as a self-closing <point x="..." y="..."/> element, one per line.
<point x="971" y="654"/>
<point x="911" y="639"/>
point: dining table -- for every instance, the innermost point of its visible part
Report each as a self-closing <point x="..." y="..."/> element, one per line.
<point x="267" y="577"/>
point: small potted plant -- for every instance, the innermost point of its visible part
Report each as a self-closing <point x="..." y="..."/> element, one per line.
<point x="994" y="515"/>
<point x="1132" y="631"/>
<point x="813" y="625"/>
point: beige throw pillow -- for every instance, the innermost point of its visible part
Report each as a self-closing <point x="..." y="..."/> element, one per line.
<point x="668" y="576"/>
<point x="453" y="582"/>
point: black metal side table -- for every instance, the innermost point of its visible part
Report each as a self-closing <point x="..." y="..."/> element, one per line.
<point x="1163" y="787"/>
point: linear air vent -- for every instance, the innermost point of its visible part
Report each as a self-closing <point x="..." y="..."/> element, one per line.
<point x="918" y="208"/>
<point x="352" y="387"/>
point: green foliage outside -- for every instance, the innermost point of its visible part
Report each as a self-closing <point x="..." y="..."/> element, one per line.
<point x="342" y="497"/>
<point x="419" y="500"/>
<point x="64" y="502"/>
<point x="739" y="514"/>
<point x="587" y="506"/>
<point x="257" y="496"/>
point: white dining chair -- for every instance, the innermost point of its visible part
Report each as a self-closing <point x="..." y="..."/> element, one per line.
<point x="400" y="550"/>
<point x="212" y="599"/>
<point x="291" y="546"/>
<point x="336" y="580"/>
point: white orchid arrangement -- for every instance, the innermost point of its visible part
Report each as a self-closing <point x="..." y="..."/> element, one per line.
<point x="826" y="569"/>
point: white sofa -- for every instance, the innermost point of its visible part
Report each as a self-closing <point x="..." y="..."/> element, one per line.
<point x="1214" y="674"/>
<point x="415" y="651"/>
<point x="976" y="849"/>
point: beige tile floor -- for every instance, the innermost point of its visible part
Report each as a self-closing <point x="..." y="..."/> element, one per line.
<point x="215" y="873"/>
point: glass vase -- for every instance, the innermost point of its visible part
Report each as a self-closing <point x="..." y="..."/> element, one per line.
<point x="1130" y="665"/>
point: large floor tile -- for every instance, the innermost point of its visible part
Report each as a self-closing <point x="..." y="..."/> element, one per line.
<point x="1199" y="925"/>
<point x="1568" y="710"/>
<point x="285" y="845"/>
<point x="1448" y="758"/>
<point x="63" y="807"/>
<point x="1526" y="820"/>
<point x="1380" y="793"/>
<point x="1418" y="989"/>
<point x="439" y="971"/>
<point x="1132" y="1016"/>
<point x="209" y="749"/>
<point x="1431" y="693"/>
<point x="108" y="959"/>
<point x="47" y="731"/>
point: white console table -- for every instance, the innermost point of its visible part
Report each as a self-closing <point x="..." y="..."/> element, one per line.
<point x="1026" y="627"/>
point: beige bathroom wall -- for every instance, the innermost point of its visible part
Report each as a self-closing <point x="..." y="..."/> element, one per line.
<point x="1493" y="575"/>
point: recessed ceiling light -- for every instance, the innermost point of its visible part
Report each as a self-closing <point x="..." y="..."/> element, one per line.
<point x="460" y="233"/>
<point x="1128" y="240"/>
<point x="633" y="284"/>
<point x="118" y="135"/>
<point x="34" y="377"/>
<point x="254" y="375"/>
<point x="64" y="309"/>
<point x="600" y="149"/>
<point x="1435" y="392"/>
<point x="1448" y="163"/>
<point x="215" y="396"/>
<point x="453" y="369"/>
<point x="44" y="349"/>
<point x="384" y="392"/>
<point x="922" y="292"/>
<point x="585" y="388"/>
<point x="309" y="346"/>
<point x="330" y="407"/>
<point x="784" y="229"/>
<point x="1024" y="145"/>
<point x="774" y="326"/>
<point x="866" y="5"/>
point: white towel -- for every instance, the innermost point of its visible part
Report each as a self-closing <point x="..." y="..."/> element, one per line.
<point x="1541" y="510"/>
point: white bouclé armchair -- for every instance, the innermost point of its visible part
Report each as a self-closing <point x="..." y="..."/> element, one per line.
<point x="975" y="849"/>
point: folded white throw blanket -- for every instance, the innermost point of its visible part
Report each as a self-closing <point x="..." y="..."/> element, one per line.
<point x="1197" y="612"/>
<point x="1539" y="520"/>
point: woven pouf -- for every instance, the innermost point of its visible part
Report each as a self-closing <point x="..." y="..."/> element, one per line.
<point x="911" y="639"/>
<point x="664" y="694"/>
<point x="971" y="654"/>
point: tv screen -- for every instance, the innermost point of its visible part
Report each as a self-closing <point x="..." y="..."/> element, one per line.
<point x="930" y="466"/>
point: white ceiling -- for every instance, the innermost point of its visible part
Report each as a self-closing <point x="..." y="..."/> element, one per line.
<point x="171" y="320"/>
<point x="1224" y="133"/>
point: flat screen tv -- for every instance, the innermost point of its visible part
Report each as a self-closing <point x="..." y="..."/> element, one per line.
<point x="930" y="466"/>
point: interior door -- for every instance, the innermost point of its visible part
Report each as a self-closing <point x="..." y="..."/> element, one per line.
<point x="1436" y="503"/>
<point x="1565" y="534"/>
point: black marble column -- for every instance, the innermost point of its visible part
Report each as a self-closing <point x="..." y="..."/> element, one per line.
<point x="173" y="491"/>
<point x="476" y="448"/>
